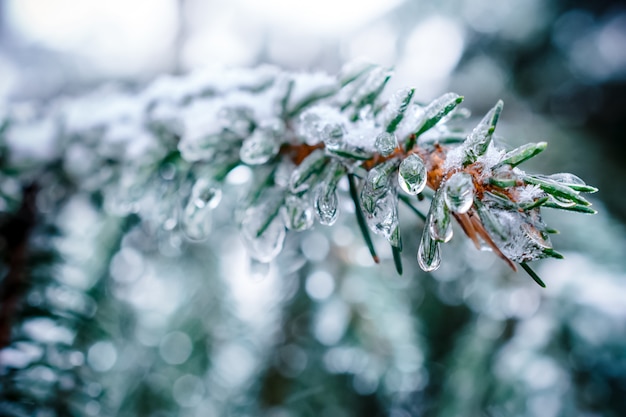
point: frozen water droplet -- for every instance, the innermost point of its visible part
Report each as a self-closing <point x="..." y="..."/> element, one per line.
<point x="386" y="143"/>
<point x="259" y="148"/>
<point x="459" y="192"/>
<point x="332" y="135"/>
<point x="196" y="217"/>
<point x="326" y="204"/>
<point x="428" y="254"/>
<point x="383" y="219"/>
<point x="205" y="194"/>
<point x="325" y="198"/>
<point x="298" y="214"/>
<point x="412" y="174"/>
<point x="263" y="232"/>
<point x="439" y="219"/>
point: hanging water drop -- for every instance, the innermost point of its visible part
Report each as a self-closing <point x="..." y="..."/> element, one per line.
<point x="205" y="194"/>
<point x="298" y="214"/>
<point x="326" y="204"/>
<point x="458" y="192"/>
<point x="325" y="199"/>
<point x="439" y="222"/>
<point x="196" y="217"/>
<point x="412" y="174"/>
<point x="263" y="232"/>
<point x="428" y="254"/>
<point x="386" y="143"/>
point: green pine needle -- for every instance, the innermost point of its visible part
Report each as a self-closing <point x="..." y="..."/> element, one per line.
<point x="532" y="274"/>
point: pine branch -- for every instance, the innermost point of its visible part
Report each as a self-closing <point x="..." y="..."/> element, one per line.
<point x="310" y="130"/>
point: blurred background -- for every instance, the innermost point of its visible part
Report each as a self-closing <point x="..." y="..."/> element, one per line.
<point x="184" y="329"/>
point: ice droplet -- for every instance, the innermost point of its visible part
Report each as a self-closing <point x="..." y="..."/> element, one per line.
<point x="326" y="204"/>
<point x="386" y="143"/>
<point x="196" y="217"/>
<point x="428" y="254"/>
<point x="332" y="135"/>
<point x="205" y="194"/>
<point x="325" y="197"/>
<point x="383" y="219"/>
<point x="263" y="232"/>
<point x="412" y="174"/>
<point x="439" y="218"/>
<point x="298" y="213"/>
<point x="259" y="148"/>
<point x="458" y="192"/>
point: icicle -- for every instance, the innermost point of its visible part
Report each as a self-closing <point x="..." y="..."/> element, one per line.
<point x="458" y="192"/>
<point x="386" y="143"/>
<point x="196" y="217"/>
<point x="263" y="232"/>
<point x="297" y="213"/>
<point x="439" y="219"/>
<point x="412" y="174"/>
